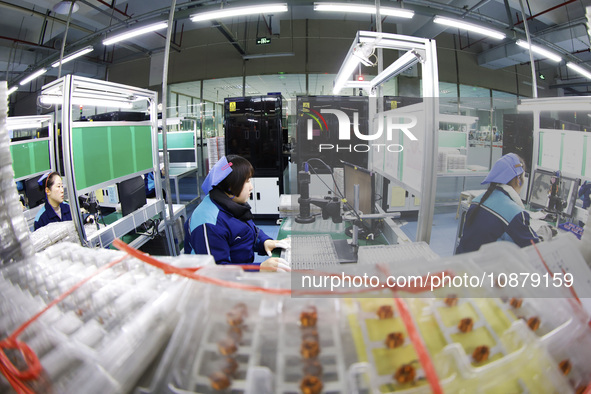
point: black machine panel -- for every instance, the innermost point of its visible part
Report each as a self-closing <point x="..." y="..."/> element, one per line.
<point x="253" y="130"/>
<point x="324" y="127"/>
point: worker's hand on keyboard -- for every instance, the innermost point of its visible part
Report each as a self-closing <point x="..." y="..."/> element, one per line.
<point x="275" y="264"/>
<point x="271" y="244"/>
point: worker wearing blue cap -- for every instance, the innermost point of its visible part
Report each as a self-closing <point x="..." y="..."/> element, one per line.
<point x="499" y="214"/>
<point x="222" y="224"/>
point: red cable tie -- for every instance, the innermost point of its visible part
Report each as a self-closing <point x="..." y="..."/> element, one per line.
<point x="15" y="376"/>
<point x="417" y="341"/>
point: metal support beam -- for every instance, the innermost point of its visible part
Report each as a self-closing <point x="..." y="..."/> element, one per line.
<point x="229" y="36"/>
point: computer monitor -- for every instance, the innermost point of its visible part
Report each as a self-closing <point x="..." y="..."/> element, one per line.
<point x="355" y="175"/>
<point x="132" y="194"/>
<point x="35" y="193"/>
<point x="565" y="197"/>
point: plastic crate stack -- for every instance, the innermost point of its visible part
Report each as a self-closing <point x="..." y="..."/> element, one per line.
<point x="15" y="243"/>
<point x="215" y="149"/>
<point x="441" y="161"/>
<point x="479" y="340"/>
<point x="102" y="337"/>
<point x="456" y="162"/>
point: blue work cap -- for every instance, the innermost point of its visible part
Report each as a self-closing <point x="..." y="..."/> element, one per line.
<point x="41" y="181"/>
<point x="505" y="169"/>
<point x="218" y="173"/>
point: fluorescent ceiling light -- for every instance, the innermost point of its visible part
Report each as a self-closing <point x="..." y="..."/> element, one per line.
<point x="539" y="50"/>
<point x="266" y="55"/>
<point x="22" y="126"/>
<point x="363" y="9"/>
<point x="579" y="69"/>
<point x="73" y="56"/>
<point x="239" y="11"/>
<point x="33" y="76"/>
<point x="469" y="26"/>
<point x="136" y="32"/>
<point x="345" y="73"/>
<point x="26" y="122"/>
<point x="405" y="61"/>
<point x="51" y="99"/>
<point x="12" y="90"/>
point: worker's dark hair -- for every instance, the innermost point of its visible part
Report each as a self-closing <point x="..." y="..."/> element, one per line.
<point x="242" y="170"/>
<point x="489" y="191"/>
<point x="51" y="178"/>
<point x="492" y="186"/>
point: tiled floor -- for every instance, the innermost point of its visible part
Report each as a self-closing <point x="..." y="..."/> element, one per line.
<point x="443" y="232"/>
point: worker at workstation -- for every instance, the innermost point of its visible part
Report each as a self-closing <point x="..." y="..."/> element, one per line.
<point x="55" y="209"/>
<point x="499" y="214"/>
<point x="222" y="225"/>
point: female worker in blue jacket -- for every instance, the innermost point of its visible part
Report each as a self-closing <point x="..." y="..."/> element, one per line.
<point x="55" y="209"/>
<point x="222" y="224"/>
<point x="499" y="214"/>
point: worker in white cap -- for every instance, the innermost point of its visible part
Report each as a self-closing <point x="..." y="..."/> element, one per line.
<point x="499" y="214"/>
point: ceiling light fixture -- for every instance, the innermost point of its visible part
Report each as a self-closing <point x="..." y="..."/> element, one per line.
<point x="33" y="76"/>
<point x="344" y="73"/>
<point x="539" y="50"/>
<point x="468" y="26"/>
<point x="579" y="69"/>
<point x="136" y="32"/>
<point x="63" y="7"/>
<point x="405" y="61"/>
<point x="73" y="56"/>
<point x="12" y="90"/>
<point x="363" y="9"/>
<point x="26" y="122"/>
<point x="239" y="11"/>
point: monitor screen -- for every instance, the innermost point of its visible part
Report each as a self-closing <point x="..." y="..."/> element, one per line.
<point x="355" y="175"/>
<point x="556" y="194"/>
<point x="35" y="193"/>
<point x="132" y="194"/>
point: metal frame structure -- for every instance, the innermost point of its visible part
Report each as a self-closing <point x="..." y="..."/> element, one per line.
<point x="178" y="121"/>
<point x="71" y="90"/>
<point x="416" y="50"/>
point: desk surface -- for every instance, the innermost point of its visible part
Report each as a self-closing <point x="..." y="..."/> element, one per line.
<point x="321" y="226"/>
<point x="118" y="226"/>
<point x="181" y="171"/>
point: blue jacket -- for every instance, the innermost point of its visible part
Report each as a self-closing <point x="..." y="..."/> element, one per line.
<point x="213" y="230"/>
<point x="47" y="215"/>
<point x="498" y="219"/>
<point x="584" y="193"/>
